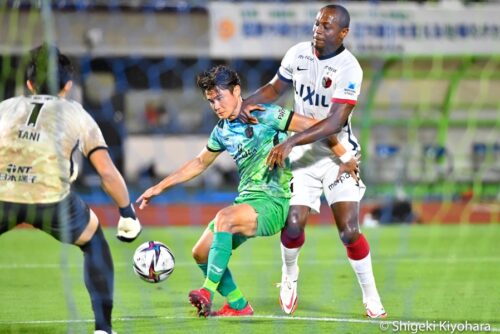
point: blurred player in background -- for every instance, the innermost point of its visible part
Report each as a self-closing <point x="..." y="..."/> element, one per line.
<point x="38" y="134"/>
<point x="263" y="194"/>
<point x="326" y="79"/>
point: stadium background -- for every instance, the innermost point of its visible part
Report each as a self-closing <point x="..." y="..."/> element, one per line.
<point x="428" y="116"/>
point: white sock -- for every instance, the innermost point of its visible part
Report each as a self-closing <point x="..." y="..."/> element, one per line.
<point x="289" y="256"/>
<point x="363" y="270"/>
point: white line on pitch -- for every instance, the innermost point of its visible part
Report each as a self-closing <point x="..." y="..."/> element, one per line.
<point x="267" y="263"/>
<point x="256" y="316"/>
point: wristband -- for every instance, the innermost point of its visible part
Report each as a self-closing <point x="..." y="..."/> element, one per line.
<point x="346" y="157"/>
<point x="127" y="212"/>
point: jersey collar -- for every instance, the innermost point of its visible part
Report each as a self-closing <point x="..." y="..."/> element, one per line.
<point x="42" y="98"/>
<point x="330" y="55"/>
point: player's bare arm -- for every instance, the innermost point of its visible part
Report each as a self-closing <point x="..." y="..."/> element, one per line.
<point x="111" y="180"/>
<point x="186" y="172"/>
<point x="300" y="123"/>
<point x="331" y="125"/>
<point x="268" y="93"/>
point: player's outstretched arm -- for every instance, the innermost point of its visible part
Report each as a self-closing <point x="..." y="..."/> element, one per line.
<point x="186" y="172"/>
<point x="113" y="184"/>
<point x="301" y="123"/>
<point x="268" y="93"/>
<point x="333" y="124"/>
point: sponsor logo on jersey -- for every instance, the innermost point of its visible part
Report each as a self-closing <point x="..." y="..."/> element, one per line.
<point x="301" y="68"/>
<point x="340" y="180"/>
<point x="310" y="96"/>
<point x="330" y="69"/>
<point x="243" y="153"/>
<point x="281" y="114"/>
<point x="327" y="82"/>
<point x="310" y="58"/>
<point x="16" y="173"/>
<point x="350" y="89"/>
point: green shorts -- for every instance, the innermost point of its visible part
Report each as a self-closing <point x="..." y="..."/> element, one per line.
<point x="271" y="215"/>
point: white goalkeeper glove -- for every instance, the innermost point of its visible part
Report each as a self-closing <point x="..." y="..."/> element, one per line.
<point x="129" y="226"/>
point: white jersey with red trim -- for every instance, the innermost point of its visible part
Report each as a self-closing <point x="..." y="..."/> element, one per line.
<point x="38" y="135"/>
<point x="318" y="82"/>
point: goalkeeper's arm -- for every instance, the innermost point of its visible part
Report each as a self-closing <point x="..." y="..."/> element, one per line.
<point x="113" y="184"/>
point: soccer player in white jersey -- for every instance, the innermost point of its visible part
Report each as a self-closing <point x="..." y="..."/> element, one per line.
<point x="39" y="134"/>
<point x="326" y="79"/>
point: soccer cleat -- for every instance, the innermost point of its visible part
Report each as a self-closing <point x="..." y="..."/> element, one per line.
<point x="374" y="309"/>
<point x="103" y="332"/>
<point x="202" y="300"/>
<point x="228" y="311"/>
<point x="288" y="293"/>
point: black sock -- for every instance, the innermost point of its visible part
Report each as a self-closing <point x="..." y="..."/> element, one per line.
<point x="98" y="275"/>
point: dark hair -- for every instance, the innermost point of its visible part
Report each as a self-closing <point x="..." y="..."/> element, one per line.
<point x="42" y="74"/>
<point x="342" y="15"/>
<point x="218" y="77"/>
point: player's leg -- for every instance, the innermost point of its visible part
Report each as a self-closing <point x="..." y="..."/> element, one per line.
<point x="292" y="239"/>
<point x="344" y="195"/>
<point x="241" y="219"/>
<point x="306" y="191"/>
<point x="358" y="253"/>
<point x="71" y="221"/>
<point x="227" y="287"/>
<point x="98" y="272"/>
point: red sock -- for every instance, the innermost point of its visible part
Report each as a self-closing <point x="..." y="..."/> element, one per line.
<point x="292" y="242"/>
<point x="359" y="249"/>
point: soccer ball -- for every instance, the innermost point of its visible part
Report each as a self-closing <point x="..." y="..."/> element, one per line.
<point x="153" y="261"/>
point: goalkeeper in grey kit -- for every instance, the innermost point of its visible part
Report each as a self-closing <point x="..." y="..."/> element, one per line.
<point x="39" y="134"/>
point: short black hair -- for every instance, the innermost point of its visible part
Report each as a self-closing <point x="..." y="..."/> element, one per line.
<point x="218" y="77"/>
<point x="342" y="18"/>
<point x="39" y="70"/>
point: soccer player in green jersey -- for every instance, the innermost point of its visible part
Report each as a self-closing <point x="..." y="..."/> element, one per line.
<point x="261" y="207"/>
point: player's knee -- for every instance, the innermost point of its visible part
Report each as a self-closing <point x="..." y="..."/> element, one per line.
<point x="292" y="231"/>
<point x="97" y="241"/>
<point x="199" y="255"/>
<point x="224" y="221"/>
<point x="349" y="235"/>
<point x="294" y="226"/>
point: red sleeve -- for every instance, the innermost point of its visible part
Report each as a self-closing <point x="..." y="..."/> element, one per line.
<point x="344" y="101"/>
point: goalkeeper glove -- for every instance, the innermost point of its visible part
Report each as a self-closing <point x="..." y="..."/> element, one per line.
<point x="129" y="226"/>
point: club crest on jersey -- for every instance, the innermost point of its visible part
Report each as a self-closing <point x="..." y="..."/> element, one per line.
<point x="327" y="82"/>
<point x="249" y="132"/>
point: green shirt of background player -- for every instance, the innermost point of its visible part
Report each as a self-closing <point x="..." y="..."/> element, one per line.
<point x="263" y="193"/>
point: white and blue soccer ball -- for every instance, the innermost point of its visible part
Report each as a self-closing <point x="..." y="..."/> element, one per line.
<point x="153" y="261"/>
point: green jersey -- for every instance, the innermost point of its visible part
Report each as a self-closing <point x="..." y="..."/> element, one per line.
<point x="249" y="146"/>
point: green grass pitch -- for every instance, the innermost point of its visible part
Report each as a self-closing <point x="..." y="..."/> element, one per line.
<point x="424" y="273"/>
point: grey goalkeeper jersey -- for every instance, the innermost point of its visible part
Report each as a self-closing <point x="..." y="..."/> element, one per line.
<point x="38" y="135"/>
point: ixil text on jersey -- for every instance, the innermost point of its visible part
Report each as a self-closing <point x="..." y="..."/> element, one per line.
<point x="310" y="96"/>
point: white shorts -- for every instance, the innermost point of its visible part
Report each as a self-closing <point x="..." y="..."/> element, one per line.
<point x="308" y="183"/>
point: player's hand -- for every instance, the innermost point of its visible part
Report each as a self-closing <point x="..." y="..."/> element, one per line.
<point x="351" y="167"/>
<point x="147" y="196"/>
<point x="278" y="154"/>
<point x="245" y="114"/>
<point x="128" y="229"/>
